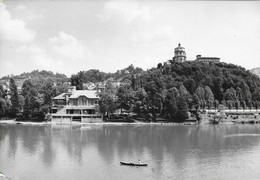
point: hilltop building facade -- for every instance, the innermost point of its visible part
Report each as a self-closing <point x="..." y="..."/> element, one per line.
<point x="180" y="56"/>
<point x="76" y="105"/>
<point x="207" y="59"/>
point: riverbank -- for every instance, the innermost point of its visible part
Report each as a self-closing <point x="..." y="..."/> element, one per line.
<point x="228" y="121"/>
<point x="103" y="123"/>
<point x="234" y="117"/>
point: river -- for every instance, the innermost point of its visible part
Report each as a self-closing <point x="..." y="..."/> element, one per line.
<point x="62" y="152"/>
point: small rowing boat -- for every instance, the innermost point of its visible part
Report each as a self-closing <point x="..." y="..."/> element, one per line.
<point x="133" y="164"/>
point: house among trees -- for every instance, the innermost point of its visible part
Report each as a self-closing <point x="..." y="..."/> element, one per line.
<point x="76" y="105"/>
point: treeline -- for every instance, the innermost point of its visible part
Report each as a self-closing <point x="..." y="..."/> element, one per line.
<point x="171" y="90"/>
<point x="40" y="74"/>
<point x="96" y="76"/>
<point x="34" y="100"/>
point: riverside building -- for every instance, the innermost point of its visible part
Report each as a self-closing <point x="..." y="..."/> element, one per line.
<point x="76" y="105"/>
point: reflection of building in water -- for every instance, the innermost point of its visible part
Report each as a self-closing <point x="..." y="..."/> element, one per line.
<point x="180" y="56"/>
<point x="76" y="105"/>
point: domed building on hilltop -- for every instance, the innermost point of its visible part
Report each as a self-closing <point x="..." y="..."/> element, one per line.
<point x="179" y="54"/>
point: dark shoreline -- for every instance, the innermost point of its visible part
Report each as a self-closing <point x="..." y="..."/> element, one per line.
<point x="227" y="122"/>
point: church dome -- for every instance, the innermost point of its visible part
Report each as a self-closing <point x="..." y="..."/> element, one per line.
<point x="179" y="54"/>
<point x="179" y="48"/>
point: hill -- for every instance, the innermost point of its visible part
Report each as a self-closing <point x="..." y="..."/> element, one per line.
<point x="218" y="77"/>
<point x="95" y="76"/>
<point x="39" y="74"/>
<point x="171" y="90"/>
<point x="35" y="74"/>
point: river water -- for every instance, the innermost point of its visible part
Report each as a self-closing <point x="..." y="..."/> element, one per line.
<point x="63" y="152"/>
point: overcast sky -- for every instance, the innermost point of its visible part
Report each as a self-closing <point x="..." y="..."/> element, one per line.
<point x="68" y="36"/>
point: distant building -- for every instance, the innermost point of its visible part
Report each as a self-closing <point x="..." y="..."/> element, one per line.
<point x="76" y="105"/>
<point x="207" y="59"/>
<point x="179" y="54"/>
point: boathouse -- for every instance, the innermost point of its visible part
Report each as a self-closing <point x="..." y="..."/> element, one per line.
<point x="76" y="105"/>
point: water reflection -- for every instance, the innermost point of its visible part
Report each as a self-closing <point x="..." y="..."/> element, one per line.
<point x="169" y="150"/>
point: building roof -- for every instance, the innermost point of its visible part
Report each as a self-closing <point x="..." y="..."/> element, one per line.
<point x="88" y="93"/>
<point x="61" y="96"/>
<point x="179" y="48"/>
<point x="208" y="58"/>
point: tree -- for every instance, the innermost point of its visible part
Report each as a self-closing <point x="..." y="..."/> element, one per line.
<point x="182" y="113"/>
<point x="21" y="102"/>
<point x="125" y="96"/>
<point x="47" y="92"/>
<point x="203" y="104"/>
<point x="77" y="80"/>
<point x="196" y="102"/>
<point x="190" y="85"/>
<point x="108" y="101"/>
<point x="239" y="94"/>
<point x="256" y="104"/>
<point x="171" y="104"/>
<point x="27" y="111"/>
<point x="139" y="101"/>
<point x="209" y="96"/>
<point x="2" y="107"/>
<point x="1" y="91"/>
<point x="3" y="104"/>
<point x="14" y="98"/>
<point x="31" y="101"/>
<point x="184" y="92"/>
<point x="230" y="104"/>
<point x="217" y="88"/>
<point x="256" y="94"/>
<point x="159" y="65"/>
<point x="59" y="88"/>
<point x="224" y="103"/>
<point x="230" y="94"/>
<point x="216" y="104"/>
<point x="210" y="103"/>
<point x="176" y="93"/>
<point x="250" y="105"/>
<point x="200" y="93"/>
<point x="246" y="92"/>
<point x="243" y="104"/>
<point x="237" y="104"/>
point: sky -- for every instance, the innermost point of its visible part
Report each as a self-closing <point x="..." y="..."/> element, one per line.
<point x="68" y="36"/>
